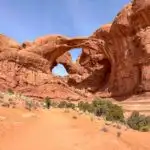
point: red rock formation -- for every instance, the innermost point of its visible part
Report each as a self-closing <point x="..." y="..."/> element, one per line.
<point x="7" y="42"/>
<point x="126" y="47"/>
<point x="66" y="61"/>
<point x="115" y="60"/>
<point x="27" y="67"/>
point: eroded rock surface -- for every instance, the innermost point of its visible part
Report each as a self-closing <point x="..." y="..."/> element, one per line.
<point x="126" y="61"/>
<point x="115" y="60"/>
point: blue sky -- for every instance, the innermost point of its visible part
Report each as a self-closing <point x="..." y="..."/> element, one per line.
<point x="28" y="19"/>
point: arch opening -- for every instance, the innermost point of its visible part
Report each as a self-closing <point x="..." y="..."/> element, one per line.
<point x="59" y="70"/>
<point x="75" y="53"/>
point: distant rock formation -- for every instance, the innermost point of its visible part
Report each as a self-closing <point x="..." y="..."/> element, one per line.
<point x="115" y="60"/>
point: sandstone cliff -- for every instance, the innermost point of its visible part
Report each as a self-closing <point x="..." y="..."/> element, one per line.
<point x="115" y="60"/>
<point x="124" y="55"/>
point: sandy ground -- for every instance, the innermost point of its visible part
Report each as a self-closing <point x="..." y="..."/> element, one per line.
<point x="59" y="130"/>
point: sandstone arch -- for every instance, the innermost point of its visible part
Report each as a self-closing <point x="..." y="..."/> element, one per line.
<point x="115" y="60"/>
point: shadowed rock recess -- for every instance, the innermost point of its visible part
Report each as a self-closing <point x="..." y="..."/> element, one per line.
<point x="115" y="60"/>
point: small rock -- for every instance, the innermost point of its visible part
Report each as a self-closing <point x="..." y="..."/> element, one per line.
<point x="107" y="123"/>
<point x="118" y="134"/>
<point x="104" y="129"/>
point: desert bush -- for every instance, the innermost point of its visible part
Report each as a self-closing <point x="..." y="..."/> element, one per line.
<point x="65" y="104"/>
<point x="81" y="105"/>
<point x="100" y="106"/>
<point x="54" y="104"/>
<point x="101" y="102"/>
<point x="106" y="108"/>
<point x="115" y="113"/>
<point x="112" y="112"/>
<point x="62" y="104"/>
<point x="118" y="134"/>
<point x="28" y="105"/>
<point x="85" y="106"/>
<point x="37" y="104"/>
<point x="47" y="102"/>
<point x="71" y="105"/>
<point x="139" y="122"/>
<point x="10" y="91"/>
<point x="145" y="128"/>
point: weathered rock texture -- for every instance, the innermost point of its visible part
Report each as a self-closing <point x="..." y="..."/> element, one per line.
<point x="115" y="60"/>
<point x="125" y="44"/>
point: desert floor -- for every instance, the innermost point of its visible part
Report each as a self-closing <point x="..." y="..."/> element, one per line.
<point x="57" y="129"/>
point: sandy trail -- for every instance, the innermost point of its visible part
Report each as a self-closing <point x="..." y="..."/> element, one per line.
<point x="56" y="130"/>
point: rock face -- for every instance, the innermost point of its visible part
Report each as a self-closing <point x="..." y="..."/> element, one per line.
<point x="27" y="67"/>
<point x="66" y="61"/>
<point x="115" y="60"/>
<point x="126" y="50"/>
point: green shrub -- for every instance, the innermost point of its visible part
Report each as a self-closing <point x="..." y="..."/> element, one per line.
<point x="62" y="104"/>
<point x="70" y="105"/>
<point x="101" y="102"/>
<point x="139" y="122"/>
<point x="115" y="113"/>
<point x="54" y="104"/>
<point x="85" y="106"/>
<point x="133" y="120"/>
<point x="81" y="105"/>
<point x="99" y="111"/>
<point x="47" y="102"/>
<point x="99" y="107"/>
<point x="111" y="111"/>
<point x="145" y="128"/>
<point x="65" y="104"/>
